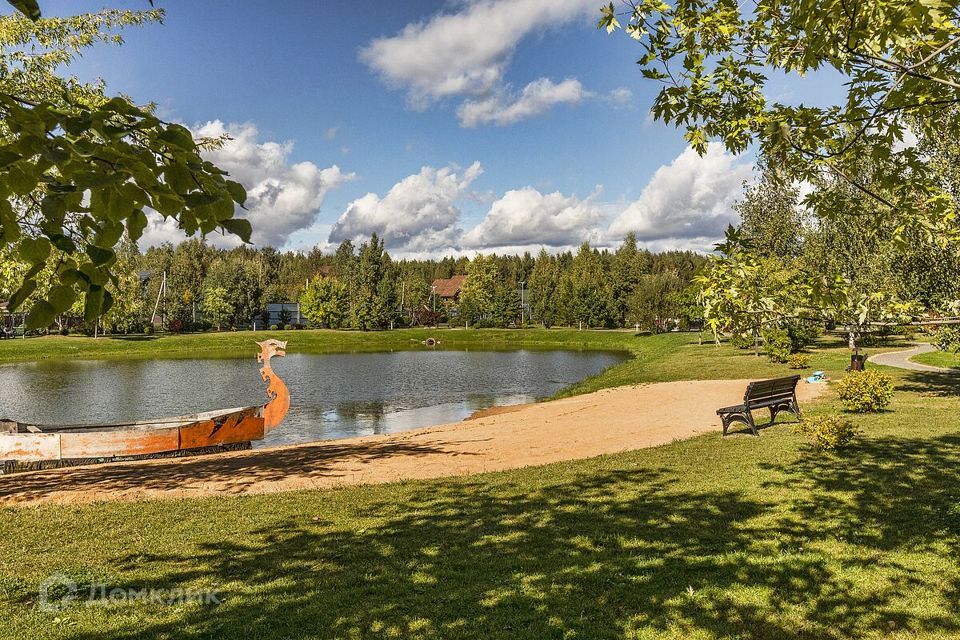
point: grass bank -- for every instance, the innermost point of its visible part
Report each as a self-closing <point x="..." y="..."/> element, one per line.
<point x="232" y="344"/>
<point x="939" y="359"/>
<point x="705" y="538"/>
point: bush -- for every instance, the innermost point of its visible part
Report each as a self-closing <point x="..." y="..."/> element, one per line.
<point x="779" y="346"/>
<point x="148" y="329"/>
<point x="865" y="391"/>
<point x="273" y="327"/>
<point x="798" y="361"/>
<point x="802" y="333"/>
<point x="827" y="433"/>
<point x="909" y="332"/>
<point x="947" y="338"/>
<point x="741" y="341"/>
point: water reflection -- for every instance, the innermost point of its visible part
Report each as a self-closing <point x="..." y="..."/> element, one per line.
<point x="334" y="396"/>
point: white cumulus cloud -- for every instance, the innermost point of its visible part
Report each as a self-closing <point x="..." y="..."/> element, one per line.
<point x="687" y="202"/>
<point x="525" y="217"/>
<point x="465" y="52"/>
<point x="619" y="97"/>
<point x="418" y="214"/>
<point x="536" y="98"/>
<point x="282" y="197"/>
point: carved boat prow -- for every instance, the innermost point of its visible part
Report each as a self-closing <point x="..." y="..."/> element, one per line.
<point x="25" y="447"/>
<point x="276" y="408"/>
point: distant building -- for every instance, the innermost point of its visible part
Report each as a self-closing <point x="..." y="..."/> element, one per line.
<point x="273" y="311"/>
<point x="448" y="289"/>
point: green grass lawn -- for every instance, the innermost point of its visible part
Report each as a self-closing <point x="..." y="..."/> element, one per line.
<point x="705" y="538"/>
<point x="939" y="359"/>
<point x="231" y="344"/>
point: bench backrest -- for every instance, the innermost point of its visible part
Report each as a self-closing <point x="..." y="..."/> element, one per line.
<point x="777" y="388"/>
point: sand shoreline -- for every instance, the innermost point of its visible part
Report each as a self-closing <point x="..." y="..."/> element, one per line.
<point x="500" y="438"/>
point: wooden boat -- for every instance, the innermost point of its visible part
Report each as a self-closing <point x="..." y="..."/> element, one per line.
<point x="25" y="447"/>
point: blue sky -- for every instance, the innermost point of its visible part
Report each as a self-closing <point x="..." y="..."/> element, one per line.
<point x="475" y="124"/>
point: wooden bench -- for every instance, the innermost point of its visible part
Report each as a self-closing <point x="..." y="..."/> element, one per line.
<point x="779" y="394"/>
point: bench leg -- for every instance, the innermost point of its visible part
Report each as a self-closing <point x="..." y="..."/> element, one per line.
<point x="746" y="418"/>
<point x="752" y="424"/>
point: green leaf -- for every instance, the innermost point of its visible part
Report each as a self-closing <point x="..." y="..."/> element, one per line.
<point x="93" y="274"/>
<point x="21" y="294"/>
<point x="109" y="235"/>
<point x="29" y="8"/>
<point x="64" y="243"/>
<point x="62" y="298"/>
<point x="72" y="276"/>
<point x="179" y="136"/>
<point x="100" y="255"/>
<point x="237" y="192"/>
<point x="8" y="157"/>
<point x="93" y="303"/>
<point x="239" y="227"/>
<point x="22" y="182"/>
<point x="9" y="227"/>
<point x="136" y="223"/>
<point x="41" y="315"/>
<point x="34" y="250"/>
<point x="107" y="301"/>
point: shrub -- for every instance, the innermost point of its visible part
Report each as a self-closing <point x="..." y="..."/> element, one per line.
<point x="802" y="333"/>
<point x="798" y="361"/>
<point x="148" y="329"/>
<point x="865" y="391"/>
<point x="273" y="327"/>
<point x="827" y="433"/>
<point x="741" y="341"/>
<point x="779" y="346"/>
<point x="175" y="326"/>
<point x="909" y="332"/>
<point x="947" y="338"/>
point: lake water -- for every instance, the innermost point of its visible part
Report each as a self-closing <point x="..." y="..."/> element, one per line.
<point x="333" y="396"/>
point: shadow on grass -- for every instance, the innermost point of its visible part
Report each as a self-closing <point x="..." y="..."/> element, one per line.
<point x="233" y="473"/>
<point x="612" y="554"/>
<point x="139" y="337"/>
<point x="931" y="383"/>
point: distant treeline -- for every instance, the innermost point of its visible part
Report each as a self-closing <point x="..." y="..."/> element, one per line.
<point x="364" y="288"/>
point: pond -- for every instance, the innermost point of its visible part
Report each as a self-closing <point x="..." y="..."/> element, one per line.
<point x="333" y="395"/>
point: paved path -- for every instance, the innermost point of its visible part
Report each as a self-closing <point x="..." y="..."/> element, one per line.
<point x="901" y="359"/>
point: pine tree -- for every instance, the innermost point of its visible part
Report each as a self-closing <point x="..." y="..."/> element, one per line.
<point x="542" y="289"/>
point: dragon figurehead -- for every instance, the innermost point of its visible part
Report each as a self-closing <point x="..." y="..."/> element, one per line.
<point x="276" y="408"/>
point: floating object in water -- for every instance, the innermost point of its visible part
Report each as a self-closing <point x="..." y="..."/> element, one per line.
<point x="25" y="447"/>
<point x="431" y="342"/>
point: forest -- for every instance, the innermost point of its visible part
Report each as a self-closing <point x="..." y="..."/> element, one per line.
<point x="195" y="286"/>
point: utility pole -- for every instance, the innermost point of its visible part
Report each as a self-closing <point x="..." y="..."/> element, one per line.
<point x="162" y="293"/>
<point x="521" y="302"/>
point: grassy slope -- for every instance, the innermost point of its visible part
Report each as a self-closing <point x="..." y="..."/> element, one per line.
<point x="240" y="343"/>
<point x="939" y="359"/>
<point x="706" y="538"/>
